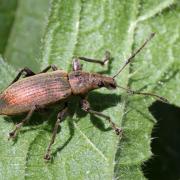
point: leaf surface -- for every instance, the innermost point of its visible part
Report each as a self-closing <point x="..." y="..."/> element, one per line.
<point x="85" y="147"/>
<point x="23" y="45"/>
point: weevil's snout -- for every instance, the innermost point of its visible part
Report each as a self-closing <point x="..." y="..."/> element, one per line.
<point x="108" y="82"/>
<point x="112" y="84"/>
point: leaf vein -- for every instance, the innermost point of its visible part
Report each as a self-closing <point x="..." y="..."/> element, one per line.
<point x="155" y="11"/>
<point x="90" y="143"/>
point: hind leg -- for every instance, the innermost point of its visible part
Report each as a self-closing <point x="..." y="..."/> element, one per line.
<point x="53" y="67"/>
<point x="26" y="70"/>
<point x="29" y="72"/>
<point x="13" y="134"/>
<point x="60" y="117"/>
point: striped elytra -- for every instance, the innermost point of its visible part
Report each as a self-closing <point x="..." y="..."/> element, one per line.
<point x="41" y="89"/>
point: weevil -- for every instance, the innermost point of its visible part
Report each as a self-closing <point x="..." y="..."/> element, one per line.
<point x="35" y="91"/>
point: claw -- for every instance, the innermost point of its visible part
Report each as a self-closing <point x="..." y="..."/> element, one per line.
<point x="12" y="135"/>
<point x="47" y="157"/>
<point x="118" y="131"/>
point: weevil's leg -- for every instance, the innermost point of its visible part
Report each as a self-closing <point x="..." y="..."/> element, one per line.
<point x="13" y="134"/>
<point x="130" y="91"/>
<point x="104" y="61"/>
<point x="53" y="67"/>
<point x="61" y="115"/>
<point x="86" y="107"/>
<point x="24" y="70"/>
<point x="76" y="65"/>
<point x="41" y="109"/>
<point x="29" y="72"/>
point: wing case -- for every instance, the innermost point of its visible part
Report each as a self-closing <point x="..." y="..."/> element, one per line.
<point x="41" y="89"/>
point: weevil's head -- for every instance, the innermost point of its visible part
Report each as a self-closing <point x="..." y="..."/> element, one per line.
<point x="83" y="82"/>
<point x="105" y="81"/>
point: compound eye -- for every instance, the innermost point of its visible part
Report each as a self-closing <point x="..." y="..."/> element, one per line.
<point x="100" y="84"/>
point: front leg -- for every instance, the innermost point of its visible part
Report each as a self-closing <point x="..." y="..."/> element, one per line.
<point x="77" y="66"/>
<point x="86" y="107"/>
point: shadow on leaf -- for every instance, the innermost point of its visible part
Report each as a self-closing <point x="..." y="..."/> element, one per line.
<point x="95" y="100"/>
<point x="165" y="144"/>
<point x="98" y="101"/>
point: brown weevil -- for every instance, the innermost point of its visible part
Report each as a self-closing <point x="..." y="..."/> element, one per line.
<point x="46" y="88"/>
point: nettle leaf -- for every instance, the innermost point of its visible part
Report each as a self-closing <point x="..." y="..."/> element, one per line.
<point x="85" y="147"/>
<point x="17" y="47"/>
<point x="7" y="11"/>
<point x="22" y="48"/>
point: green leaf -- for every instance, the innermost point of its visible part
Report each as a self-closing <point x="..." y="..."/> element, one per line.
<point x="19" y="40"/>
<point x="23" y="44"/>
<point x="7" y="11"/>
<point x="85" y="147"/>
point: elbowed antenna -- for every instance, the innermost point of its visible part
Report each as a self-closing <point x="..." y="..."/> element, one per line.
<point x="160" y="98"/>
<point x="134" y="54"/>
<point x="129" y="60"/>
